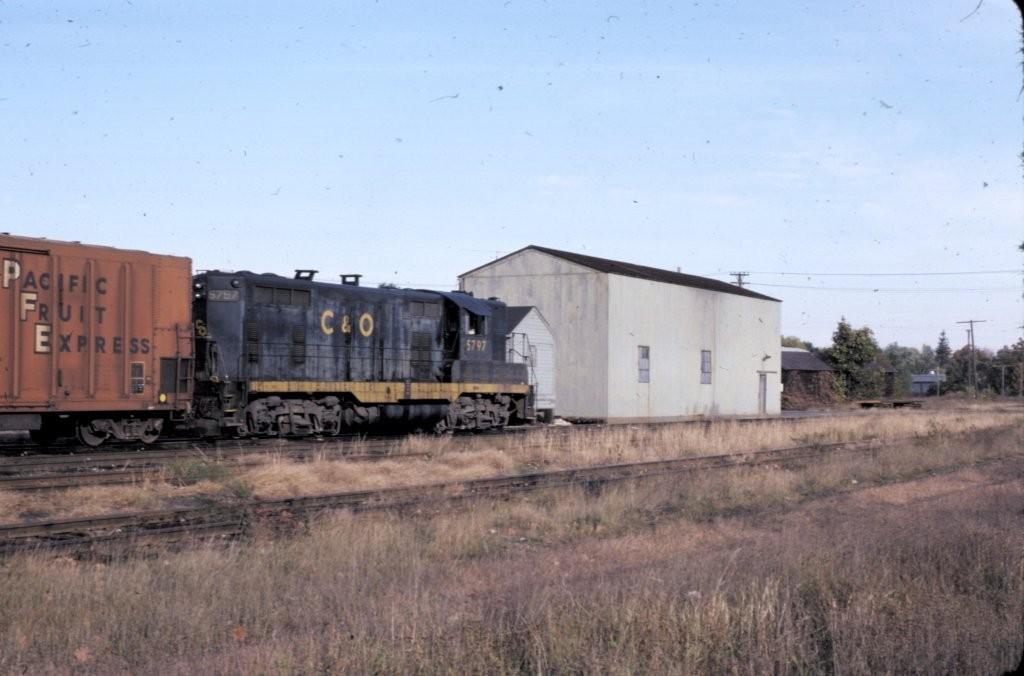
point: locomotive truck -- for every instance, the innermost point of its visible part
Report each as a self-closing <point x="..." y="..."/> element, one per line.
<point x="104" y="343"/>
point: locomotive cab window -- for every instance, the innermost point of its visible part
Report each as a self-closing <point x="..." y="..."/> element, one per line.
<point x="477" y="325"/>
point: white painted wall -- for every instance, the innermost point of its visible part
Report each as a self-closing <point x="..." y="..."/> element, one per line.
<point x="574" y="301"/>
<point x="532" y="343"/>
<point x="677" y="322"/>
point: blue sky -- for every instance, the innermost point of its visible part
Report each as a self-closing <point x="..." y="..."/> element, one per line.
<point x="410" y="141"/>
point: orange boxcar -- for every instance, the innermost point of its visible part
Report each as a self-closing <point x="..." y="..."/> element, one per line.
<point x="94" y="340"/>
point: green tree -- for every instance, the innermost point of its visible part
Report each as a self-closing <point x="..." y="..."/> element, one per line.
<point x="958" y="372"/>
<point x="927" y="360"/>
<point x="851" y="351"/>
<point x="1013" y="357"/>
<point x="907" y="361"/>
<point x="942" y="351"/>
<point x="793" y="341"/>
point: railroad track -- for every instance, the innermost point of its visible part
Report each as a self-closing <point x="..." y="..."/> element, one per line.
<point x="236" y="519"/>
<point x="24" y="446"/>
<point x="122" y="466"/>
<point x="113" y="467"/>
<point x="64" y="471"/>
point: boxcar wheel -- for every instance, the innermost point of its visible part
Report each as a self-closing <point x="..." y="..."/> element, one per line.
<point x="88" y="436"/>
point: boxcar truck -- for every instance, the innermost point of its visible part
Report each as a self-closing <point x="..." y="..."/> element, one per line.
<point x="94" y="341"/>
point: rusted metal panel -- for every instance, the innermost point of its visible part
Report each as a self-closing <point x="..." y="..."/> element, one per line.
<point x="84" y="328"/>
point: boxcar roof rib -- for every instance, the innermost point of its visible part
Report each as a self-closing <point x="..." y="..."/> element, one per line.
<point x="639" y="271"/>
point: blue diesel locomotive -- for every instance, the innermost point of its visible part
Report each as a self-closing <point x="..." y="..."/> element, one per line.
<point x="278" y="356"/>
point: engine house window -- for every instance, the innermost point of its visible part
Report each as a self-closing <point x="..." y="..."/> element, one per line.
<point x="643" y="363"/>
<point x="137" y="377"/>
<point x="705" y="367"/>
<point x="477" y="325"/>
<point x="269" y="295"/>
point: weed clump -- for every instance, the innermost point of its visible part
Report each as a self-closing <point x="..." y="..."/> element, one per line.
<point x="189" y="472"/>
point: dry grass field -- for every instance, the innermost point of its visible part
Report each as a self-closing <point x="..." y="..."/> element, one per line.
<point x="198" y="482"/>
<point x="907" y="560"/>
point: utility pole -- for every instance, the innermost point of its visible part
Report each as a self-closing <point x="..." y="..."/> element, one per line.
<point x="739" y="277"/>
<point x="974" y="355"/>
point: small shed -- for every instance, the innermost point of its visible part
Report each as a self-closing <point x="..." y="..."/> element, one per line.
<point x="807" y="381"/>
<point x="531" y="342"/>
<point x="926" y="384"/>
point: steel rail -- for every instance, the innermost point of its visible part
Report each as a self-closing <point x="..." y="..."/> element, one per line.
<point x="129" y="475"/>
<point x="235" y="519"/>
<point x="13" y="467"/>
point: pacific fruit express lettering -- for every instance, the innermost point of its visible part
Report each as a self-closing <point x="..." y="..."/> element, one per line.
<point x="29" y="283"/>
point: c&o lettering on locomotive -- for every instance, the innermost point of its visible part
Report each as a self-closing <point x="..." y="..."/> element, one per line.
<point x="325" y="322"/>
<point x="328" y="325"/>
<point x="366" y="324"/>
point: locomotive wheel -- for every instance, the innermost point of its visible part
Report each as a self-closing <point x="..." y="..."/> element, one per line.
<point x="88" y="436"/>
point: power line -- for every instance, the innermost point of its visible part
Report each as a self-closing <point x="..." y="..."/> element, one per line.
<point x="739" y="277"/>
<point x="888" y="274"/>
<point x="974" y="353"/>
<point x="868" y="289"/>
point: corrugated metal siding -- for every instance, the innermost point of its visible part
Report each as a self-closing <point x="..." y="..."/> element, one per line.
<point x="532" y="344"/>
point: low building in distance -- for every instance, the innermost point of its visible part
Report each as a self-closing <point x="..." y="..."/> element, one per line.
<point x="926" y="384"/>
<point x="634" y="342"/>
<point x="807" y="381"/>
